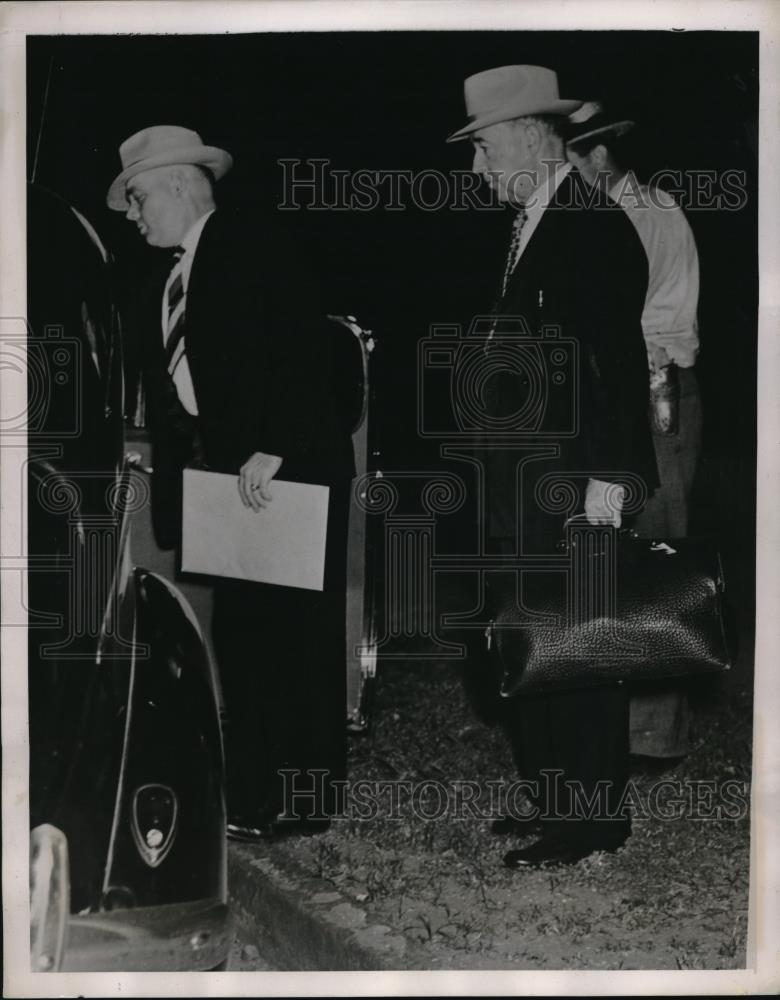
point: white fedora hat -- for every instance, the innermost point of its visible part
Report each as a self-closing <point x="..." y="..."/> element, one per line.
<point x="162" y="146"/>
<point x="507" y="92"/>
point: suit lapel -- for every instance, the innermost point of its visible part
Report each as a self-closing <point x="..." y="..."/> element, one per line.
<point x="544" y="242"/>
<point x="199" y="299"/>
<point x="200" y="268"/>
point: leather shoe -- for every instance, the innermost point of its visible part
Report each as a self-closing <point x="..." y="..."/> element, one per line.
<point x="505" y="825"/>
<point x="301" y="827"/>
<point x="250" y="830"/>
<point x="547" y="854"/>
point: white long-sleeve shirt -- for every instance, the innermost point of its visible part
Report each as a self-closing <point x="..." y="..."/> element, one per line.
<point x="669" y="316"/>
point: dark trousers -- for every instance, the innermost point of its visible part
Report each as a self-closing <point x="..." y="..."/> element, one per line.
<point x="282" y="660"/>
<point x="573" y="746"/>
<point x="667" y="511"/>
<point x="659" y="718"/>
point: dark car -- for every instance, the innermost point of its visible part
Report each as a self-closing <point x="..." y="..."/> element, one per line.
<point x="127" y="819"/>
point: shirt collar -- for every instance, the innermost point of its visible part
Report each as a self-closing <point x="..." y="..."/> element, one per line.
<point x="191" y="238"/>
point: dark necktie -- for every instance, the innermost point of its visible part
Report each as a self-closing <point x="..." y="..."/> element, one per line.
<point x="512" y="257"/>
<point x="514" y="247"/>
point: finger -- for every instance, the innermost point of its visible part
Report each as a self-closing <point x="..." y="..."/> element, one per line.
<point x="261" y="480"/>
<point x="247" y="481"/>
<point x="256" y="501"/>
<point x="270" y="469"/>
<point x="243" y="488"/>
<point x="260" y="492"/>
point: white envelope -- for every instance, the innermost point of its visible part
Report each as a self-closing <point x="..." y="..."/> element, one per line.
<point x="284" y="543"/>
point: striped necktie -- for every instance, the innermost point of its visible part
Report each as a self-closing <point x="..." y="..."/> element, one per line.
<point x="514" y="247"/>
<point x="174" y="341"/>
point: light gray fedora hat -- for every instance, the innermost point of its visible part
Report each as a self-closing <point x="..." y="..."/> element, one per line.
<point x="498" y="95"/>
<point x="162" y="146"/>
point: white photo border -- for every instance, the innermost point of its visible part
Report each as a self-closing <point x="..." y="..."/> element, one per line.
<point x="17" y="21"/>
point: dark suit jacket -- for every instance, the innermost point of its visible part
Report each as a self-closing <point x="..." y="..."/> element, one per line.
<point x="585" y="271"/>
<point x="259" y="352"/>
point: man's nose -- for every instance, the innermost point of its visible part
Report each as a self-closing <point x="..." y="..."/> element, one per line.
<point x="132" y="213"/>
<point x="478" y="166"/>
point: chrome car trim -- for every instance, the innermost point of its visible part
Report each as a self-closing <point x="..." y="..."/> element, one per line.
<point x="175" y="937"/>
<point x="120" y="785"/>
<point x="49" y="897"/>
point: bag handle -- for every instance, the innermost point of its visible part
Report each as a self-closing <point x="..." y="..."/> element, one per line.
<point x="622" y="533"/>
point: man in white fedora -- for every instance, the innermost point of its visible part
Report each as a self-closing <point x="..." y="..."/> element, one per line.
<point x="574" y="263"/>
<point x="237" y="379"/>
<point x="659" y="717"/>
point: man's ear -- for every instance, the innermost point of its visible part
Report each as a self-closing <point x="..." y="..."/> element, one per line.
<point x="599" y="157"/>
<point x="177" y="180"/>
<point x="533" y="137"/>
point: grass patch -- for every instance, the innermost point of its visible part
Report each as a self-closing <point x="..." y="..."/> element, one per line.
<point x="675" y="897"/>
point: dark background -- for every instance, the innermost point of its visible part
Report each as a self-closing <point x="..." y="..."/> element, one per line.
<point x="388" y="100"/>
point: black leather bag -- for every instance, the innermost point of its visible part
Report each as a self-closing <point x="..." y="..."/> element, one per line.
<point x="616" y="608"/>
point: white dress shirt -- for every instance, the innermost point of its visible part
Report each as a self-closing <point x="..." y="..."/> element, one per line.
<point x="538" y="201"/>
<point x="181" y="375"/>
<point x="669" y="315"/>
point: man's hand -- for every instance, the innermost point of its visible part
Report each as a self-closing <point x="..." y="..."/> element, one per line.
<point x="254" y="478"/>
<point x="657" y="357"/>
<point x="604" y="502"/>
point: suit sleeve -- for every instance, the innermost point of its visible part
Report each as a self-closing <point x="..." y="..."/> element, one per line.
<point x="282" y="387"/>
<point x="610" y="283"/>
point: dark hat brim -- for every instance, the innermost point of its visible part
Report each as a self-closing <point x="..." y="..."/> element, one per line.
<point x="613" y="128"/>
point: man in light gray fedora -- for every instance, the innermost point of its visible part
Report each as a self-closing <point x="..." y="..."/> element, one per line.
<point x="239" y="378"/>
<point x="575" y="263"/>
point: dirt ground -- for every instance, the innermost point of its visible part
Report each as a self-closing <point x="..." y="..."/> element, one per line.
<point x="675" y="897"/>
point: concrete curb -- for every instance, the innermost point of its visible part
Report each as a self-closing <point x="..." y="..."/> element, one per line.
<point x="302" y="922"/>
